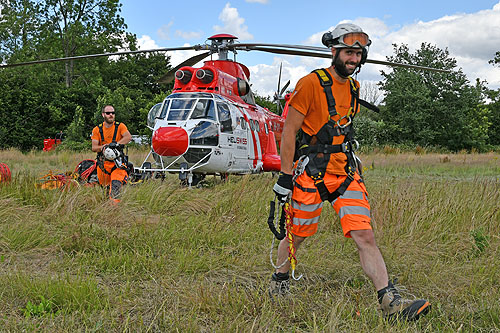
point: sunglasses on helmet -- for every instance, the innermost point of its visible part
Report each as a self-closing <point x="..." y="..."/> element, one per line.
<point x="353" y="38"/>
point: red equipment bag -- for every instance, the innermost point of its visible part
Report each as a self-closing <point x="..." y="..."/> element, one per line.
<point x="5" y="174"/>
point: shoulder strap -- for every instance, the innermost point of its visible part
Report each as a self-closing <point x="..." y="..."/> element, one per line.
<point x="117" y="124"/>
<point x="101" y="132"/>
<point x="355" y="94"/>
<point x="369" y="105"/>
<point x="326" y="82"/>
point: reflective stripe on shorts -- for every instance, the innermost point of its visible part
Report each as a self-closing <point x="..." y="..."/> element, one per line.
<point x="306" y="214"/>
<point x="354" y="210"/>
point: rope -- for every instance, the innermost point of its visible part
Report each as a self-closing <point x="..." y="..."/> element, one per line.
<point x="287" y="210"/>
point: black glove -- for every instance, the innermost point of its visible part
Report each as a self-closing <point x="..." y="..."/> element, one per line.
<point x="283" y="187"/>
<point x="113" y="145"/>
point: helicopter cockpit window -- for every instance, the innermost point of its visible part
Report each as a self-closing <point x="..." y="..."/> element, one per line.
<point x="226" y="125"/>
<point x="164" y="110"/>
<point x="203" y="108"/>
<point x="153" y="114"/>
<point x="180" y="108"/>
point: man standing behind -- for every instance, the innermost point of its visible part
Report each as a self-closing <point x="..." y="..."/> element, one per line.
<point x="321" y="110"/>
<point x="108" y="139"/>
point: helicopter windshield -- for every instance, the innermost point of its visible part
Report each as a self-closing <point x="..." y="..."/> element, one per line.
<point x="180" y="108"/>
<point x="203" y="109"/>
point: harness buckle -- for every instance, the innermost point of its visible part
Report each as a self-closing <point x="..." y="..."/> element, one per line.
<point x="349" y="121"/>
<point x="300" y="167"/>
<point x="356" y="145"/>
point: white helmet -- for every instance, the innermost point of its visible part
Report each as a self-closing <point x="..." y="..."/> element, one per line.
<point x="111" y="154"/>
<point x="347" y="35"/>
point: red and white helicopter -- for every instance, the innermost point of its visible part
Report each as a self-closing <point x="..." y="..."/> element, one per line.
<point x="210" y="124"/>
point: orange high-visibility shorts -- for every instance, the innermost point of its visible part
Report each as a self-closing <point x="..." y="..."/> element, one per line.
<point x="352" y="207"/>
<point x="105" y="179"/>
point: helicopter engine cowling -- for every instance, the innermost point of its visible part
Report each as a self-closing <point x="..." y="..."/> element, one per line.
<point x="170" y="141"/>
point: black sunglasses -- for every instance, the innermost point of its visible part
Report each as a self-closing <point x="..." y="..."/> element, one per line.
<point x="108" y="113"/>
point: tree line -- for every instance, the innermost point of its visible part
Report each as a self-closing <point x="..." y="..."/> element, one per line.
<point x="418" y="108"/>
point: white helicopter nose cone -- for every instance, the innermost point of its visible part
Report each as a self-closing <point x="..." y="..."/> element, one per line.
<point x="170" y="141"/>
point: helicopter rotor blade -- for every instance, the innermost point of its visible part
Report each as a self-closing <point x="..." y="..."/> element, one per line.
<point x="165" y="49"/>
<point x="279" y="78"/>
<point x="284" y="88"/>
<point x="312" y="51"/>
<point x="398" y="64"/>
<point x="169" y="77"/>
<point x="287" y="49"/>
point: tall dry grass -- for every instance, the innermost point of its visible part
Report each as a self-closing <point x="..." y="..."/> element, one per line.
<point x="173" y="259"/>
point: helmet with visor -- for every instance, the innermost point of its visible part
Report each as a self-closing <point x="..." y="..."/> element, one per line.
<point x="347" y="35"/>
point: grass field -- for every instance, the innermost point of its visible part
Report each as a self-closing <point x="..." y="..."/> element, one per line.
<point x="171" y="259"/>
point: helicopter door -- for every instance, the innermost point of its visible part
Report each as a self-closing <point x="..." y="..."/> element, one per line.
<point x="240" y="134"/>
<point x="225" y="126"/>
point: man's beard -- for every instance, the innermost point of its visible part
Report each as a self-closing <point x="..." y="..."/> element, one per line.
<point x="341" y="68"/>
<point x="109" y="121"/>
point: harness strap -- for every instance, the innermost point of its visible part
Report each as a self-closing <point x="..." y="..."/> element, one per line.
<point x="305" y="189"/>
<point x="325" y="149"/>
<point x="100" y="156"/>
<point x="326" y="82"/>
<point x="369" y="105"/>
<point x="101" y="131"/>
<point x="315" y="168"/>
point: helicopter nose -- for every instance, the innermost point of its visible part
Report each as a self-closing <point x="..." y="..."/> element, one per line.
<point x="170" y="141"/>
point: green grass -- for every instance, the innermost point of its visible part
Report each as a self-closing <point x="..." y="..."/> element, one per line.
<point x="173" y="259"/>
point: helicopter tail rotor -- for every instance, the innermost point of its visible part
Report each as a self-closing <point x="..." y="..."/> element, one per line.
<point x="278" y="96"/>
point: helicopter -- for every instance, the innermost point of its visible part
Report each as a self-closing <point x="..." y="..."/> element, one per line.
<point x="210" y="124"/>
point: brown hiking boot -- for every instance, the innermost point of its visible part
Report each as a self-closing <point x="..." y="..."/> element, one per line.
<point x="393" y="306"/>
<point x="280" y="285"/>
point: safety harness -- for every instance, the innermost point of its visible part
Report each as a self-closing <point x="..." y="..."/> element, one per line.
<point x="312" y="156"/>
<point x="100" y="156"/>
<point x="318" y="147"/>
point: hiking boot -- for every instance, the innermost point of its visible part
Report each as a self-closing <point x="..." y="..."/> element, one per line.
<point x="393" y="306"/>
<point x="280" y="285"/>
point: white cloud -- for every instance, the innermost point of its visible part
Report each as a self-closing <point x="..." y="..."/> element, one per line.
<point x="259" y="1"/>
<point x="176" y="57"/>
<point x="264" y="78"/>
<point x="471" y="39"/>
<point x="233" y="23"/>
<point x="188" y="34"/>
<point x="164" y="31"/>
<point x="146" y="43"/>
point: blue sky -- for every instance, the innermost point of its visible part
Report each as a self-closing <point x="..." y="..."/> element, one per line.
<point x="469" y="29"/>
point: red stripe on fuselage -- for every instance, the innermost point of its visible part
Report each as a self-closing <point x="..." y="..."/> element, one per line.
<point x="255" y="149"/>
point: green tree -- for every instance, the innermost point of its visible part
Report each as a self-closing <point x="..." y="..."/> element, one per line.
<point x="429" y="108"/>
<point x="494" y="107"/>
<point x="77" y="26"/>
<point x="41" y="100"/>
